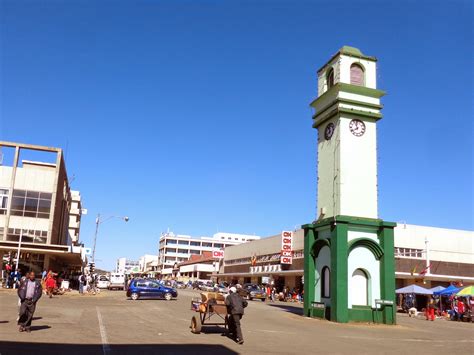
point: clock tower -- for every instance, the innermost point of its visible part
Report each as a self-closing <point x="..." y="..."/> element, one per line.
<point x="346" y="111"/>
<point x="349" y="271"/>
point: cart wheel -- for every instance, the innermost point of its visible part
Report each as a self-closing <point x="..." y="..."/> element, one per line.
<point x="196" y="325"/>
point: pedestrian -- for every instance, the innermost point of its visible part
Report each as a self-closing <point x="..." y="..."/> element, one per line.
<point x="23" y="279"/>
<point x="50" y="284"/>
<point x="430" y="310"/>
<point x="29" y="292"/>
<point x="235" y="309"/>
<point x="82" y="282"/>
<point x="43" y="274"/>
<point x="461" y="308"/>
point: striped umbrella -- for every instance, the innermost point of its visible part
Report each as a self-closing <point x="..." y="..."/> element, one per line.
<point x="467" y="291"/>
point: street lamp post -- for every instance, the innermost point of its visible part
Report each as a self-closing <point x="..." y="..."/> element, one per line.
<point x="99" y="221"/>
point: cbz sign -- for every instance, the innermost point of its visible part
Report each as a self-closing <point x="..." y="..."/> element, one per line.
<point x="286" y="248"/>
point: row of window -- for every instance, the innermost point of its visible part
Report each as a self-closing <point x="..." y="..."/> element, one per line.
<point x="28" y="235"/>
<point x="408" y="253"/>
<point x="195" y="243"/>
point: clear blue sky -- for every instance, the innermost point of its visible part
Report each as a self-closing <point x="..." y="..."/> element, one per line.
<point x="195" y="116"/>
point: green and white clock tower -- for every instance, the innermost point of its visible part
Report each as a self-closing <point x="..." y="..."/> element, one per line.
<point x="349" y="252"/>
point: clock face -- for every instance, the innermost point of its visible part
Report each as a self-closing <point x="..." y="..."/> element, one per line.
<point x="357" y="128"/>
<point x="328" y="132"/>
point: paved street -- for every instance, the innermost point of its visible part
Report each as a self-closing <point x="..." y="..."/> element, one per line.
<point x="111" y="324"/>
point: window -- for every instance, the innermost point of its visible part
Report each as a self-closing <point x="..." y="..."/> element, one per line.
<point x="3" y="201"/>
<point x="325" y="282"/>
<point x="31" y="204"/>
<point x="28" y="235"/>
<point x="170" y="242"/>
<point x="183" y="251"/>
<point x="195" y="244"/>
<point x="408" y="253"/>
<point x="357" y="75"/>
<point x="170" y="250"/>
<point x="195" y="252"/>
<point x="330" y="79"/>
<point x="218" y="245"/>
<point x="183" y="242"/>
<point x="207" y="245"/>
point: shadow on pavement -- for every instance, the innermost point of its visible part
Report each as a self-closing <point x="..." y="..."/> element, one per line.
<point x="10" y="347"/>
<point x="292" y="309"/>
<point x="39" y="327"/>
<point x="4" y="321"/>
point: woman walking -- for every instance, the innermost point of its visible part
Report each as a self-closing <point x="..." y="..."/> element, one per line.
<point x="50" y="284"/>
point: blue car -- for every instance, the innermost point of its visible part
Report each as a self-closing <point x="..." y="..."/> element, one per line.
<point x="141" y="288"/>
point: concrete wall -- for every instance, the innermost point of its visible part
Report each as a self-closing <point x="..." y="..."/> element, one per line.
<point x="448" y="245"/>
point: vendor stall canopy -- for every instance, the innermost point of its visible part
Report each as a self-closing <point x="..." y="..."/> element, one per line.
<point x="437" y="289"/>
<point x="417" y="290"/>
<point x="447" y="291"/>
<point x="467" y="291"/>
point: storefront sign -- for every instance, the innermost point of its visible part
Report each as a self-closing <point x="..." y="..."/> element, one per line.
<point x="218" y="254"/>
<point x="286" y="247"/>
<point x="265" y="268"/>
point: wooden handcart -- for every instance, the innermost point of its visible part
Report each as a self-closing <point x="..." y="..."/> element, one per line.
<point x="210" y="310"/>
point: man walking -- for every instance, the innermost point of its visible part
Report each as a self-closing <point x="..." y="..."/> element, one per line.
<point x="30" y="292"/>
<point x="235" y="309"/>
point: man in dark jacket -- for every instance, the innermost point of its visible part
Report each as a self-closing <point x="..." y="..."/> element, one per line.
<point x="235" y="309"/>
<point x="29" y="292"/>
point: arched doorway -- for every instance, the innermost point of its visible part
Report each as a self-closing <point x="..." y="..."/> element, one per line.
<point x="359" y="288"/>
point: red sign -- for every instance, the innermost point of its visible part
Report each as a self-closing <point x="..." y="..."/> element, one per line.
<point x="219" y="254"/>
<point x="286" y="247"/>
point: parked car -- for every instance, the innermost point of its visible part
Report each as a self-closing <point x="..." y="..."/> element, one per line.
<point x="197" y="285"/>
<point x="252" y="291"/>
<point x="180" y="285"/>
<point x="142" y="288"/>
<point x="103" y="282"/>
<point x="207" y="286"/>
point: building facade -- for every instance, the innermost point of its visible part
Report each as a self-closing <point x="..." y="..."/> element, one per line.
<point x="198" y="267"/>
<point x="127" y="266"/>
<point x="424" y="255"/>
<point x="35" y="209"/>
<point x="148" y="263"/>
<point x="174" y="249"/>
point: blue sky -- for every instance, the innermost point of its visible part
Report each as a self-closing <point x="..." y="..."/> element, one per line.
<point x="196" y="116"/>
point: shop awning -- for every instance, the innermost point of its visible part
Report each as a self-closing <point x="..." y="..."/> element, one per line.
<point x="276" y="273"/>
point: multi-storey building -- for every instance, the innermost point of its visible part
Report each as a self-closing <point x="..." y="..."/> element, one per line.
<point x="35" y="205"/>
<point x="174" y="248"/>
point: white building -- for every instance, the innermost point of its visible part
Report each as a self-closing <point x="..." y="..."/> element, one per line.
<point x="174" y="249"/>
<point x="127" y="266"/>
<point x="430" y="254"/>
<point x="148" y="263"/>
